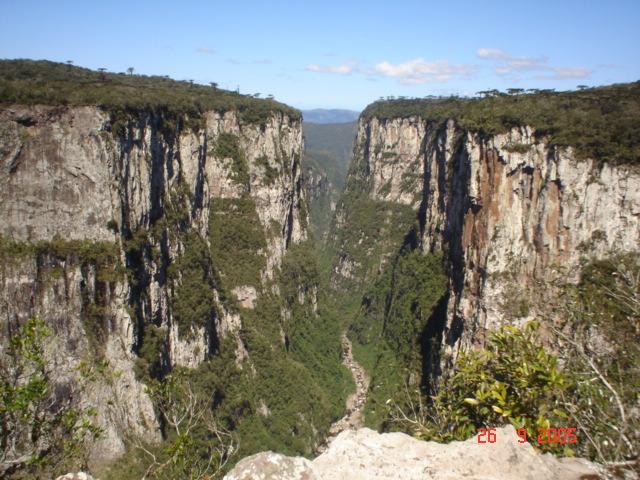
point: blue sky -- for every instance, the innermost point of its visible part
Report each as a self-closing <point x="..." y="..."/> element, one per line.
<point x="341" y="54"/>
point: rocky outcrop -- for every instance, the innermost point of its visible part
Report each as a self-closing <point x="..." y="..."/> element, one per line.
<point x="365" y="454"/>
<point x="513" y="212"/>
<point x="146" y="183"/>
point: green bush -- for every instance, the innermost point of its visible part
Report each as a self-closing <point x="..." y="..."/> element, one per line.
<point x="270" y="174"/>
<point x="513" y="380"/>
<point x="600" y="343"/>
<point x="192" y="301"/>
<point x="389" y="333"/>
<point x="237" y="241"/>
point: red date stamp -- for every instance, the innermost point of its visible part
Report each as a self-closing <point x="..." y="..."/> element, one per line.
<point x="545" y="435"/>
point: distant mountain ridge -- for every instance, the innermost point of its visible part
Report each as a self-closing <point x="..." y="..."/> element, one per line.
<point x="333" y="115"/>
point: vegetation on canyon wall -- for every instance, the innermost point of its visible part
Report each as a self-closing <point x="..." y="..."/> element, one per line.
<point x="282" y="398"/>
<point x="40" y="431"/>
<point x="583" y="374"/>
<point x="280" y="382"/>
<point x="42" y="82"/>
<point x="600" y="123"/>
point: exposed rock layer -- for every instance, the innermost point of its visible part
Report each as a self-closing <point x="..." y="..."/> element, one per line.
<point x="513" y="212"/>
<point x="80" y="173"/>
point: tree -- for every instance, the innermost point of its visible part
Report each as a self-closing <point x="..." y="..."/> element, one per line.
<point x="197" y="447"/>
<point x="38" y="429"/>
<point x="102" y="71"/>
<point x="130" y="70"/>
<point x="515" y="91"/>
<point x="601" y="341"/>
<point x="214" y="85"/>
<point x="582" y="87"/>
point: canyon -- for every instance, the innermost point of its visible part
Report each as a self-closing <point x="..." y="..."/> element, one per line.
<point x="179" y="242"/>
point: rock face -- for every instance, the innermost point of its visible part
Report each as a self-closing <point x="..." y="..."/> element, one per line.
<point x="365" y="454"/>
<point x="513" y="212"/>
<point x="149" y="185"/>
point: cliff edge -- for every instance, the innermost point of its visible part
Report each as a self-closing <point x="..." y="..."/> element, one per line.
<point x="366" y="454"/>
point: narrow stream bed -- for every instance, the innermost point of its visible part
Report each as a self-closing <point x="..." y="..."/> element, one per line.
<point x="352" y="418"/>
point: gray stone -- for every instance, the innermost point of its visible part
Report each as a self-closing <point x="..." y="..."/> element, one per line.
<point x="367" y="455"/>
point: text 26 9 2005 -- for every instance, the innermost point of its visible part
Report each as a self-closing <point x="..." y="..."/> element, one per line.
<point x="560" y="435"/>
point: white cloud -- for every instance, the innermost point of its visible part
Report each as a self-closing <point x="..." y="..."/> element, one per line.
<point x="419" y="71"/>
<point x="413" y="72"/>
<point x="507" y="64"/>
<point x="263" y="61"/>
<point x="343" y="69"/>
<point x="491" y="53"/>
<point x="572" y="72"/>
<point x="206" y="50"/>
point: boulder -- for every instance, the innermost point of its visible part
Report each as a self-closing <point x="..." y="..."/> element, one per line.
<point x="367" y="455"/>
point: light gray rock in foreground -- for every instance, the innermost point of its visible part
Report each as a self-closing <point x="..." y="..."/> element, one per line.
<point x="270" y="465"/>
<point x="366" y="454"/>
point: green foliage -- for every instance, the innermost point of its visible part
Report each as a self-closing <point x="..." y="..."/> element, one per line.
<point x="40" y="433"/>
<point x="49" y="83"/>
<point x="103" y="256"/>
<point x="601" y="123"/>
<point x="192" y="302"/>
<point x="228" y="146"/>
<point x="600" y="343"/>
<point x="237" y="241"/>
<point x="518" y="147"/>
<point x="149" y="363"/>
<point x="513" y="380"/>
<point x="391" y="325"/>
<point x="373" y="230"/>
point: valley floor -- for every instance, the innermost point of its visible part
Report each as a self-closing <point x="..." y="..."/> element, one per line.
<point x="352" y="419"/>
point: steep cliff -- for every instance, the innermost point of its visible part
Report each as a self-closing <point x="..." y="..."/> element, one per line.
<point x="511" y="197"/>
<point x="152" y="236"/>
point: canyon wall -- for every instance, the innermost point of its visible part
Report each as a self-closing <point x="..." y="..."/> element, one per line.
<point x="513" y="214"/>
<point x="122" y="226"/>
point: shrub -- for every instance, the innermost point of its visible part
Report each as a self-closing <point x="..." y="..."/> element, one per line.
<point x="513" y="380"/>
<point x="600" y="343"/>
<point x="237" y="241"/>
